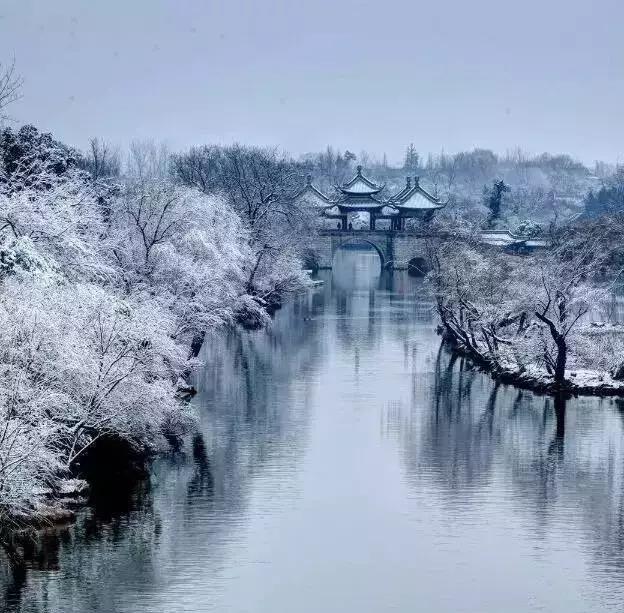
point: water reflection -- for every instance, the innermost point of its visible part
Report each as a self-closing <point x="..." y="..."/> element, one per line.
<point x="346" y="462"/>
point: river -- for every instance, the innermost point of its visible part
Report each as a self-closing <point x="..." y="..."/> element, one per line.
<point x="347" y="464"/>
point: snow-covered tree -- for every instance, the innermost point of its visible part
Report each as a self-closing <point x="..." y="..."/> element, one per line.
<point x="411" y="162"/>
<point x="517" y="314"/>
<point x="258" y="184"/>
<point x="10" y="86"/>
<point x="105" y="289"/>
<point x="187" y="249"/>
<point x="29" y="158"/>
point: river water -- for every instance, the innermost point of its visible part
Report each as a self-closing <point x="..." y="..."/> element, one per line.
<point x="348" y="464"/>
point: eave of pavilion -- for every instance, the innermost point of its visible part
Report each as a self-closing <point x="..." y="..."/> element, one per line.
<point x="361" y="207"/>
<point x="359" y="202"/>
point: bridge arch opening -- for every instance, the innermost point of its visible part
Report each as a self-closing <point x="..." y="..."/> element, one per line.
<point x="417" y="267"/>
<point x="361" y="244"/>
<point x="357" y="263"/>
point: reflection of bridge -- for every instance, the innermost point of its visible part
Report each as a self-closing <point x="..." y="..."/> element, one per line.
<point x="395" y="248"/>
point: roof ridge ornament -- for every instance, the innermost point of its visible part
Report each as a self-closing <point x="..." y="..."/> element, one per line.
<point x="416" y="181"/>
<point x="408" y="182"/>
<point x="308" y="179"/>
<point x="359" y="169"/>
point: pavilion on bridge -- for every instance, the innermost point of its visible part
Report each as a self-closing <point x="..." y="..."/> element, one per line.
<point x="361" y="195"/>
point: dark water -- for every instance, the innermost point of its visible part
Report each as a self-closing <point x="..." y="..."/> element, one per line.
<point x="346" y="464"/>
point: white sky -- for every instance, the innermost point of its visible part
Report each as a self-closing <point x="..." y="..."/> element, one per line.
<point x="546" y="75"/>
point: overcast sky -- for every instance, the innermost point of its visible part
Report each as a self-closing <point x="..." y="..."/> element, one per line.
<point x="546" y="75"/>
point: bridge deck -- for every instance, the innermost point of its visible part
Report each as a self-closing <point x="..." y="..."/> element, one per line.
<point x="363" y="231"/>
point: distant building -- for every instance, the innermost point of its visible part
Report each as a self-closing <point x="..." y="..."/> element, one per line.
<point x="361" y="195"/>
<point x="513" y="243"/>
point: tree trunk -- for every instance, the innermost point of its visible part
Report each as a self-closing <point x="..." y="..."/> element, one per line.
<point x="562" y="348"/>
<point x="562" y="355"/>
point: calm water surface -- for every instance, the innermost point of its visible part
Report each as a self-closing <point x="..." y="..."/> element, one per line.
<point x="347" y="464"/>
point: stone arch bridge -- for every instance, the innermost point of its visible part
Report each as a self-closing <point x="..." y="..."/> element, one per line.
<point x="395" y="248"/>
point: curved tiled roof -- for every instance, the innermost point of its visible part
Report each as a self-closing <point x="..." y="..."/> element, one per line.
<point x="360" y="193"/>
<point x="360" y="185"/>
<point x="308" y="188"/>
<point x="414" y="198"/>
<point x="405" y="190"/>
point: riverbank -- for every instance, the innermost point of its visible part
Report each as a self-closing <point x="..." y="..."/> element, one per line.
<point x="108" y="285"/>
<point x="110" y="463"/>
<point x="111" y="458"/>
<point x="578" y="382"/>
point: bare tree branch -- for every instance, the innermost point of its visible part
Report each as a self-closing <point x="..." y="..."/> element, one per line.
<point x="10" y="86"/>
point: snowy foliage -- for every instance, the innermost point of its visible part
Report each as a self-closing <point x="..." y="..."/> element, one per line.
<point x="258" y="184"/>
<point x="104" y="289"/>
<point x="528" y="228"/>
<point x="29" y="158"/>
<point x="61" y="224"/>
<point x="187" y="249"/>
<point x="520" y="314"/>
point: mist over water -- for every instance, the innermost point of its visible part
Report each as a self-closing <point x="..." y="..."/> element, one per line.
<point x="346" y="463"/>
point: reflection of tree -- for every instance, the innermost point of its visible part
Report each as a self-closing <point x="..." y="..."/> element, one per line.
<point x="251" y="415"/>
<point x="453" y="444"/>
<point x="202" y="484"/>
<point x="555" y="448"/>
<point x="549" y="462"/>
<point x="89" y="560"/>
<point x="558" y="461"/>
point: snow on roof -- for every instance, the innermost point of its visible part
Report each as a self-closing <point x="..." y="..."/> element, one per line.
<point x="415" y="198"/>
<point x="360" y="184"/>
<point x="497" y="238"/>
<point x="403" y="192"/>
<point x="362" y="194"/>
<point x="361" y="203"/>
<point x="504" y="238"/>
